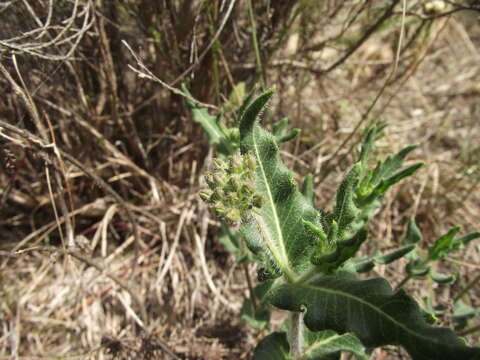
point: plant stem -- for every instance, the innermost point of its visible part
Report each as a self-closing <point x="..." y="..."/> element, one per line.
<point x="296" y="340"/>
<point x="403" y="282"/>
<point x="253" y="299"/>
<point x="467" y="288"/>
<point x="258" y="57"/>
<point x="470" y="331"/>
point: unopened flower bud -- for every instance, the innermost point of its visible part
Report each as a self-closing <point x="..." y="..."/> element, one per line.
<point x="236" y="164"/>
<point x="257" y="200"/>
<point x="210" y="181"/>
<point x="220" y="164"/>
<point x="234" y="135"/>
<point x="233" y="215"/>
<point x="234" y="182"/>
<point x="250" y="162"/>
<point x="219" y="208"/>
<point x="219" y="179"/>
<point x="230" y="199"/>
<point x="218" y="194"/>
<point x="248" y="189"/>
<point x="206" y="195"/>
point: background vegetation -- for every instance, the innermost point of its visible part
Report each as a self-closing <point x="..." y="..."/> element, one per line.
<point x="102" y="160"/>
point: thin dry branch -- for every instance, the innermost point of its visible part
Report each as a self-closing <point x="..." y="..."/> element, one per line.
<point x="41" y="43"/>
<point x="51" y="150"/>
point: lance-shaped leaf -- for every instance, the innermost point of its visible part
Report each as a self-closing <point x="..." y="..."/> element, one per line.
<point x="346" y="211"/>
<point x="282" y="132"/>
<point x="320" y="345"/>
<point x="276" y="229"/>
<point x="462" y="314"/>
<point x="273" y="347"/>
<point x="371" y="311"/>
<point x="218" y="135"/>
<point x="442" y="247"/>
<point x="367" y="263"/>
<point x="376" y="182"/>
<point x="307" y="189"/>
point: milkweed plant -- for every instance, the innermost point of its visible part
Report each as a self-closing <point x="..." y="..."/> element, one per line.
<point x="308" y="257"/>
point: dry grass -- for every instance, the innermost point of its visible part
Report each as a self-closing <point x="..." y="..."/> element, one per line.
<point x="105" y="249"/>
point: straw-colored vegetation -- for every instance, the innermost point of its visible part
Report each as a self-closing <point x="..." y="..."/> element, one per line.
<point x="106" y="250"/>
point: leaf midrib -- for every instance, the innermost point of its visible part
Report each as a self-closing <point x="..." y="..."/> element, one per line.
<point x="281" y="257"/>
<point x="319" y="343"/>
<point x="373" y="307"/>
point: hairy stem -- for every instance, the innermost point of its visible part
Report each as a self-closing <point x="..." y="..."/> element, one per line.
<point x="296" y="340"/>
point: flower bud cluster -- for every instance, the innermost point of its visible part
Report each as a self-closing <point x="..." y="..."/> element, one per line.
<point x="231" y="189"/>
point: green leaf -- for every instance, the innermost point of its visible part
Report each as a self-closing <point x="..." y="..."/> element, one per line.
<point x="394" y="255"/>
<point x="414" y="235"/>
<point x="416" y="267"/>
<point x="308" y="190"/>
<point x="444" y="245"/>
<point x="259" y="318"/>
<point x="389" y="182"/>
<point x="377" y="181"/>
<point x="275" y="229"/>
<point x="256" y="319"/>
<point x="282" y="133"/>
<point x="273" y="347"/>
<point x="375" y="314"/>
<point x="236" y="97"/>
<point x="462" y="314"/>
<point x="390" y="165"/>
<point x="467" y="238"/>
<point x="319" y="345"/>
<point x="367" y="148"/>
<point x="441" y="278"/>
<point x="216" y="133"/>
<point x="429" y="313"/>
<point x="229" y="239"/>
<point x="246" y="102"/>
<point x="345" y="210"/>
<point x="367" y="263"/>
<point x="344" y="250"/>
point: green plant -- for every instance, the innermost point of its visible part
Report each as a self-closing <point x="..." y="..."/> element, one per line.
<point x="307" y="255"/>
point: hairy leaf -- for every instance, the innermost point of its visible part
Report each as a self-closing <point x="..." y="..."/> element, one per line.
<point x="368" y="262"/>
<point x="282" y="132"/>
<point x="414" y="235"/>
<point x="444" y="245"/>
<point x="273" y="347"/>
<point x="217" y="134"/>
<point x="346" y="211"/>
<point x="375" y="314"/>
<point x="344" y="250"/>
<point x="307" y="189"/>
<point x="276" y="229"/>
<point x="319" y="345"/>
